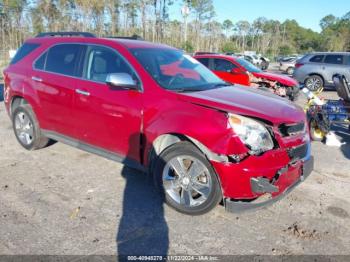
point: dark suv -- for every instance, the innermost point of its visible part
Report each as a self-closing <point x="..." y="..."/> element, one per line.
<point x="154" y="108"/>
<point x="318" y="69"/>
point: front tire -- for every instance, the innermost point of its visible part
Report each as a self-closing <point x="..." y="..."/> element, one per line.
<point x="26" y="128"/>
<point x="187" y="180"/>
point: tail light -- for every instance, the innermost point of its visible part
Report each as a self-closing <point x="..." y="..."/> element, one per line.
<point x="297" y="65"/>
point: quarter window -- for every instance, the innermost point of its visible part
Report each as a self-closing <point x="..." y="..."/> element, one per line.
<point x="317" y="59"/>
<point x="63" y="59"/>
<point x="334" y="59"/>
<point x="101" y="61"/>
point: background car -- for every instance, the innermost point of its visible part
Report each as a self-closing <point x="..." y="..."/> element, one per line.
<point x="238" y="70"/>
<point x="288" y="65"/>
<point x="316" y="70"/>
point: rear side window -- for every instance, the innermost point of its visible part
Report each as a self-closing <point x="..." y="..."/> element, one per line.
<point x="334" y="59"/>
<point x="317" y="59"/>
<point x="204" y="61"/>
<point x="63" y="59"/>
<point x="23" y="51"/>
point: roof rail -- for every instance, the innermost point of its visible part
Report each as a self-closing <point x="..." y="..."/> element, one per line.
<point x="133" y="37"/>
<point x="83" y="34"/>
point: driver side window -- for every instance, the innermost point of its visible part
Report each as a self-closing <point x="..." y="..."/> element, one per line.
<point x="223" y="65"/>
<point x="101" y="61"/>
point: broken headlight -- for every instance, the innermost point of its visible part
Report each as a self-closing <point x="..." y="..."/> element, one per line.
<point x="252" y="133"/>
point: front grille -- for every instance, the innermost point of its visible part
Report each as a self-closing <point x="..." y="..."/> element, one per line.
<point x="297" y="153"/>
<point x="291" y="129"/>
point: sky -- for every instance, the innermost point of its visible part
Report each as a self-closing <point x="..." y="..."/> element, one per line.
<point x="307" y="13"/>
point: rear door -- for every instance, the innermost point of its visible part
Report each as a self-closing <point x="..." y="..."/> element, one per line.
<point x="109" y="118"/>
<point x="54" y="75"/>
<point x="334" y="64"/>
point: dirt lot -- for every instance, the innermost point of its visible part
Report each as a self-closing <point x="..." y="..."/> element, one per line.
<point x="60" y="200"/>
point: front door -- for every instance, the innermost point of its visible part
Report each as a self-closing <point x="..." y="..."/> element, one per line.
<point x="109" y="118"/>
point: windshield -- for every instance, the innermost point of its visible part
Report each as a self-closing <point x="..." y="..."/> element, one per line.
<point x="248" y="66"/>
<point x="176" y="71"/>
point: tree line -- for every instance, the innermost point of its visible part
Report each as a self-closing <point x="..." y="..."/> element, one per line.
<point x="199" y="30"/>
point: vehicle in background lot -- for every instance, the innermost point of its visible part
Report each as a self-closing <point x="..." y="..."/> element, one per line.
<point x="264" y="62"/>
<point x="322" y="113"/>
<point x="239" y="71"/>
<point x="154" y="108"/>
<point x="316" y="70"/>
<point x="254" y="59"/>
<point x="288" y="65"/>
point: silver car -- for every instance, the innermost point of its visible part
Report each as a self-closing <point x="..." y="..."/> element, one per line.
<point x="317" y="69"/>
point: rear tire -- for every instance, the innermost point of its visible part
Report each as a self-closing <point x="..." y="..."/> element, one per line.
<point x="313" y="82"/>
<point x="290" y="70"/>
<point x="193" y="188"/>
<point x="26" y="128"/>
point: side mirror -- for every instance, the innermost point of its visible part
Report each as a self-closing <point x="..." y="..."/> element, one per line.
<point x="237" y="70"/>
<point x="121" y="80"/>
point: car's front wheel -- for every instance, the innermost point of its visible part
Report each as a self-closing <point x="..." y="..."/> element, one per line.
<point x="26" y="128"/>
<point x="187" y="180"/>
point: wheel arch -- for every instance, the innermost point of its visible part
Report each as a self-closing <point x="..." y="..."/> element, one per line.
<point x="165" y="140"/>
<point x="314" y="74"/>
<point x="17" y="101"/>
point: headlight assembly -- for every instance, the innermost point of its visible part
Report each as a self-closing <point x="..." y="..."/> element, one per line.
<point x="252" y="133"/>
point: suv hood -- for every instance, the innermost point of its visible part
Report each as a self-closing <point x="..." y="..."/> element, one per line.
<point x="284" y="80"/>
<point x="247" y="101"/>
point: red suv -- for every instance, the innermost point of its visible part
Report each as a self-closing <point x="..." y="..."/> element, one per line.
<point x="156" y="109"/>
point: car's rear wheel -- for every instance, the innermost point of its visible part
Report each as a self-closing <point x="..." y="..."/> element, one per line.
<point x="290" y="70"/>
<point x="187" y="180"/>
<point x="26" y="128"/>
<point x="314" y="82"/>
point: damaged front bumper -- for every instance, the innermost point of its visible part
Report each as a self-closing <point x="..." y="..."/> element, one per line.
<point x="262" y="185"/>
<point x="261" y="180"/>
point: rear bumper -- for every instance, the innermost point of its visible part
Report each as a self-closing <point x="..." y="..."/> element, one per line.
<point x="240" y="206"/>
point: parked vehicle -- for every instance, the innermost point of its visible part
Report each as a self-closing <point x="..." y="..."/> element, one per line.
<point x="323" y="113"/>
<point x="264" y="62"/>
<point x="154" y="108"/>
<point x="316" y="70"/>
<point x="288" y="65"/>
<point x="239" y="71"/>
<point x="254" y="59"/>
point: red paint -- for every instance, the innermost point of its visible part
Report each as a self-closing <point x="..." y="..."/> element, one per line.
<point x="114" y="119"/>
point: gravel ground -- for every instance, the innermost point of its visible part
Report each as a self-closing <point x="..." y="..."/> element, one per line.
<point x="60" y="200"/>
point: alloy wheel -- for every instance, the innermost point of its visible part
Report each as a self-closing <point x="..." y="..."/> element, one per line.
<point x="24" y="128"/>
<point x="187" y="181"/>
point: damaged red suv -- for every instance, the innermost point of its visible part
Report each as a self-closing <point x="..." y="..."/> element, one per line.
<point x="154" y="108"/>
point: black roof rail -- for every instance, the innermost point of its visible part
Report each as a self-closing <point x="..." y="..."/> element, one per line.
<point x="133" y="37"/>
<point x="83" y="34"/>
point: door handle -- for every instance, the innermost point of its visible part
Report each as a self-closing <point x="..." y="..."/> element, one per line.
<point x="36" y="79"/>
<point x="81" y="92"/>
